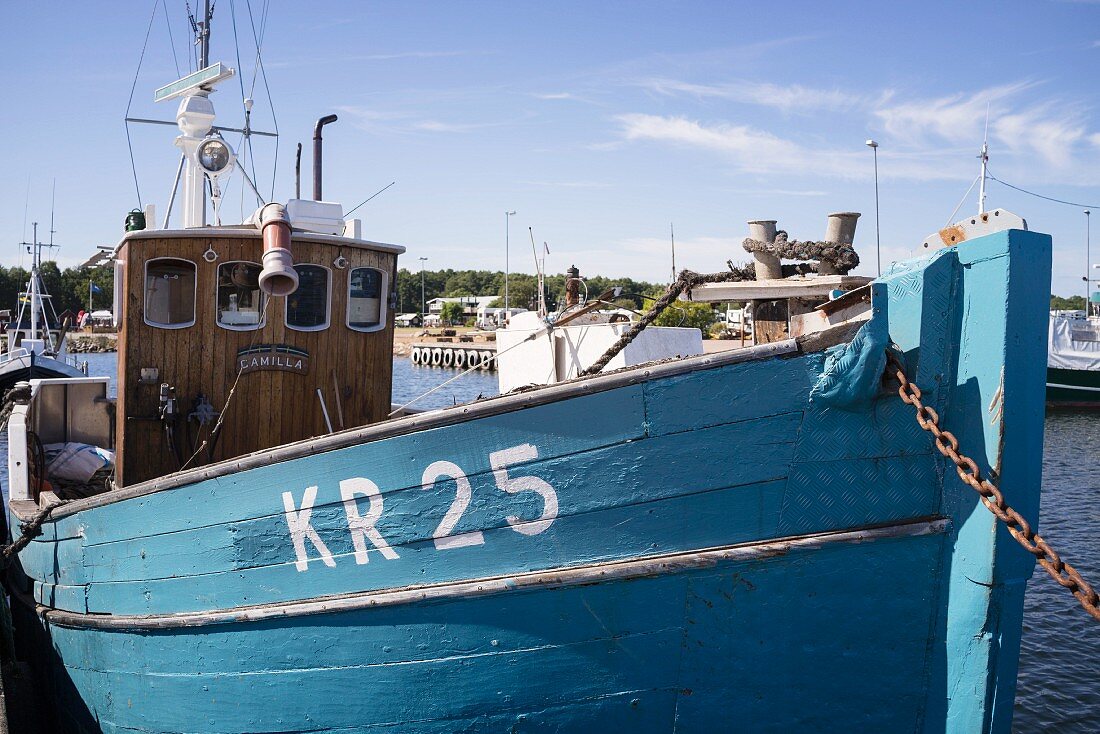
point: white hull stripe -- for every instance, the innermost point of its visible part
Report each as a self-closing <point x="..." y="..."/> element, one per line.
<point x="1073" y="387"/>
<point x="551" y="579"/>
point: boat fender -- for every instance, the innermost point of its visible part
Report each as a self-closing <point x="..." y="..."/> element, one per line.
<point x="278" y="278"/>
<point x="853" y="372"/>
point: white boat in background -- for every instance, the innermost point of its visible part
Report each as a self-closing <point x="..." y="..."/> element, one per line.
<point x="34" y="340"/>
<point x="1073" y="361"/>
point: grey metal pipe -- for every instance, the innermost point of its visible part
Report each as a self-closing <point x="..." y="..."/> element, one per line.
<point x="317" y="154"/>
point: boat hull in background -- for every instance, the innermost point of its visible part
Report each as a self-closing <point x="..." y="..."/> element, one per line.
<point x="1068" y="388"/>
<point x="19" y="369"/>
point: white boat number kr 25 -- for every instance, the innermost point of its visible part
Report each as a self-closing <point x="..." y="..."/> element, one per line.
<point x="363" y="526"/>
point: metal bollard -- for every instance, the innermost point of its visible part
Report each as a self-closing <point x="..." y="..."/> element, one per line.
<point x="768" y="266"/>
<point x="840" y="229"/>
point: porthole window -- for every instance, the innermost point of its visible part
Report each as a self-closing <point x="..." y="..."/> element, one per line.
<point x="240" y="300"/>
<point x="170" y="293"/>
<point x="366" y="299"/>
<point x="307" y="307"/>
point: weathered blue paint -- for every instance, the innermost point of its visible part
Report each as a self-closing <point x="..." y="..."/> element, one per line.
<point x="742" y="643"/>
<point x="903" y="633"/>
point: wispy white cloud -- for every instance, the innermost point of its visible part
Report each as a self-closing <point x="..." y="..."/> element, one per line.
<point x="299" y="62"/>
<point x="398" y="121"/>
<point x="570" y="184"/>
<point x="956" y="118"/>
<point x="1046" y="130"/>
<point x="788" y="98"/>
<point x="413" y="55"/>
<point x="778" y="192"/>
<point x="750" y="150"/>
<point x="554" y="95"/>
<point x="1050" y="134"/>
<point x="436" y="126"/>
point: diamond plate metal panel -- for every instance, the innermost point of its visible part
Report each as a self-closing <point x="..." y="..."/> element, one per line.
<point x="829" y="434"/>
<point x="845" y="494"/>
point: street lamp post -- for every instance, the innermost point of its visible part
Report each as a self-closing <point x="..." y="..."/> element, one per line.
<point x="878" y="243"/>
<point x="507" y="233"/>
<point x="423" y="312"/>
<point x="1088" y="261"/>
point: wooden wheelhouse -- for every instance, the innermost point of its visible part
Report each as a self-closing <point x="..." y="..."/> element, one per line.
<point x="195" y="328"/>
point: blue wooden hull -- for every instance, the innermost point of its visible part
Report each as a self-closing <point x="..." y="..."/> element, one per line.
<point x="753" y="542"/>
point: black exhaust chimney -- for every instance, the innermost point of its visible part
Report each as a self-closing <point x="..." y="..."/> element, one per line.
<point x="298" y="173"/>
<point x="317" y="154"/>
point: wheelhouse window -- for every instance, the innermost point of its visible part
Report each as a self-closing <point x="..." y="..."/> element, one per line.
<point x="307" y="307"/>
<point x="240" y="300"/>
<point x="170" y="293"/>
<point x="366" y="296"/>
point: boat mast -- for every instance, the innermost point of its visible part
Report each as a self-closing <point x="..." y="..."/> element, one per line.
<point x="984" y="156"/>
<point x="207" y="157"/>
<point x="204" y="37"/>
<point x="32" y="286"/>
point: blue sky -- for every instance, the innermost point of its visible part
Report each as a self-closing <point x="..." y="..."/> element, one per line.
<point x="599" y="123"/>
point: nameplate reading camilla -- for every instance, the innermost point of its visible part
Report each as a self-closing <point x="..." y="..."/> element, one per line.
<point x="273" y="357"/>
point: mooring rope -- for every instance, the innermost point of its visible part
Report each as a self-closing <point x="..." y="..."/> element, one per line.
<point x="685" y="282"/>
<point x="841" y="257"/>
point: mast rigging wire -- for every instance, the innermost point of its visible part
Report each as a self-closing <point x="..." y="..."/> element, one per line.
<point x="129" y="144"/>
<point x="364" y="201"/>
<point x="1040" y="196"/>
<point x="246" y="147"/>
<point x="259" y="42"/>
<point x="257" y="38"/>
<point x="951" y="217"/>
<point x="194" y="30"/>
<point x="171" y="38"/>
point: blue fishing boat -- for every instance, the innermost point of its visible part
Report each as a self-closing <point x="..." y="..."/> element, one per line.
<point x="734" y="540"/>
<point x="250" y="539"/>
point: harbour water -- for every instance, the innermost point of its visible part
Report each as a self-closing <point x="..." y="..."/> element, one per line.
<point x="1060" y="657"/>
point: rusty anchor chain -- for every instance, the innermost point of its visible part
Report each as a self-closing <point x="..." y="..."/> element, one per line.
<point x="968" y="471"/>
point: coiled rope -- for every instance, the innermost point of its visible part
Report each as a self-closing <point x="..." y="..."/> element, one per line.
<point x="841" y="257"/>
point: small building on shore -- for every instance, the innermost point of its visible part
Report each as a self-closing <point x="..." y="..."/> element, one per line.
<point x="471" y="307"/>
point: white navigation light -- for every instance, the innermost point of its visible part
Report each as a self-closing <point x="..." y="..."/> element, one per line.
<point x="214" y="155"/>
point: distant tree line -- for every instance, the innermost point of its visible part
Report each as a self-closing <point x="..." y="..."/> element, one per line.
<point x="1073" y="303"/>
<point x="522" y="288"/>
<point x="68" y="288"/>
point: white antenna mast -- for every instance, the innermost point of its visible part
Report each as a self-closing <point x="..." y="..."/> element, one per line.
<point x="985" y="160"/>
